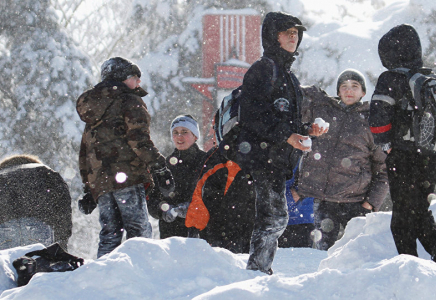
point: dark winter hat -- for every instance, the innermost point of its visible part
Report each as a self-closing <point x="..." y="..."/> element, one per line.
<point x="286" y="21"/>
<point x="276" y="22"/>
<point x="351" y="74"/>
<point x="401" y="47"/>
<point x="118" y="69"/>
<point x="186" y="121"/>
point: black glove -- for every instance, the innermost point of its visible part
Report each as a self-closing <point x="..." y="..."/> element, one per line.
<point x="164" y="180"/>
<point x="87" y="204"/>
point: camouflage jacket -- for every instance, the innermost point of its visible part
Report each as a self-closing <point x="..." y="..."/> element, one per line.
<point x="116" y="150"/>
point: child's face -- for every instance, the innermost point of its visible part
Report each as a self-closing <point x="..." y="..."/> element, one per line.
<point x="289" y="39"/>
<point x="350" y="92"/>
<point x="183" y="138"/>
<point x="132" y="82"/>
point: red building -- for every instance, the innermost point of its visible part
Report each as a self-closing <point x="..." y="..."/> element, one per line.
<point x="231" y="43"/>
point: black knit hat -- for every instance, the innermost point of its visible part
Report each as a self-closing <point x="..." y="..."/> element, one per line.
<point x="118" y="69"/>
<point x="351" y="74"/>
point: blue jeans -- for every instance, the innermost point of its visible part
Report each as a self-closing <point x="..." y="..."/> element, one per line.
<point x="124" y="209"/>
<point x="25" y="231"/>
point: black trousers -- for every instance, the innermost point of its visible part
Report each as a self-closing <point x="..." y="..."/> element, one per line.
<point x="271" y="217"/>
<point x="297" y="236"/>
<point x="329" y="216"/>
<point x="411" y="180"/>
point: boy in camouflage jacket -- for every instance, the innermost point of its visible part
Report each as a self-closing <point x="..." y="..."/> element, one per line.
<point x="117" y="158"/>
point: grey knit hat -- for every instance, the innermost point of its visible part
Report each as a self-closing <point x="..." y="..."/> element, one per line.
<point x="118" y="69"/>
<point x="186" y="121"/>
<point x="351" y="74"/>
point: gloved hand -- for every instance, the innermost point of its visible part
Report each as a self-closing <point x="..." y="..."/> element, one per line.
<point x="169" y="215"/>
<point x="87" y="204"/>
<point x="182" y="209"/>
<point x="164" y="181"/>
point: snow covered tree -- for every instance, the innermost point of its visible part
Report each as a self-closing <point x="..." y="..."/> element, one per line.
<point x="43" y="73"/>
<point x="169" y="49"/>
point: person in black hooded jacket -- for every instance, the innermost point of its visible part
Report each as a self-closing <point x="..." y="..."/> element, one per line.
<point x="185" y="163"/>
<point x="410" y="170"/>
<point x="271" y="130"/>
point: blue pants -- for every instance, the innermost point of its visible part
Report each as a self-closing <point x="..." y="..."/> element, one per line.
<point x="124" y="209"/>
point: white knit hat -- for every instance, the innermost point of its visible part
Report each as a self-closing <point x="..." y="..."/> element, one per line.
<point x="186" y="121"/>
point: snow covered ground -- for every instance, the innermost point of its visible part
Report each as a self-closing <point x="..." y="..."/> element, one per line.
<point x="362" y="265"/>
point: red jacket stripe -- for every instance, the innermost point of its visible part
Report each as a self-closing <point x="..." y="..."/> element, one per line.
<point x="381" y="129"/>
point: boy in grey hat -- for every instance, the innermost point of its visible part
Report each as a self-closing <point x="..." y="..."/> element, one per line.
<point x="345" y="172"/>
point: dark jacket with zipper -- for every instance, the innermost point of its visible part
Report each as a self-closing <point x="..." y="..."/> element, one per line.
<point x="391" y="114"/>
<point x="185" y="165"/>
<point x="344" y="165"/>
<point x="271" y="107"/>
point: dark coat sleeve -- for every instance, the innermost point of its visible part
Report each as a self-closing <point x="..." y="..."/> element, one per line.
<point x="379" y="186"/>
<point x="60" y="214"/>
<point x="82" y="161"/>
<point x="389" y="89"/>
<point x="311" y="96"/>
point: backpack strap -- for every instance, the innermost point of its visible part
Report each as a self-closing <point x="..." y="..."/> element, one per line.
<point x="416" y="81"/>
<point x="405" y="100"/>
<point x="274" y="77"/>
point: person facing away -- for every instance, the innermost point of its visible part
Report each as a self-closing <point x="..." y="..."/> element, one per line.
<point x="35" y="204"/>
<point x="222" y="206"/>
<point x="345" y="171"/>
<point x="185" y="164"/>
<point x="271" y="128"/>
<point x="117" y="158"/>
<point x="411" y="171"/>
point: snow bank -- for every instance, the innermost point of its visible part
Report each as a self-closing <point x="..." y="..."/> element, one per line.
<point x="362" y="265"/>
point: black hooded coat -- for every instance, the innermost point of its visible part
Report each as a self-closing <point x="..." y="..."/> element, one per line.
<point x="265" y="127"/>
<point x="411" y="173"/>
<point x="389" y="122"/>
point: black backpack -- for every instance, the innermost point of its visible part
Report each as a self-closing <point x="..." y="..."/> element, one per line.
<point x="423" y="89"/>
<point x="227" y="118"/>
<point x="50" y="259"/>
